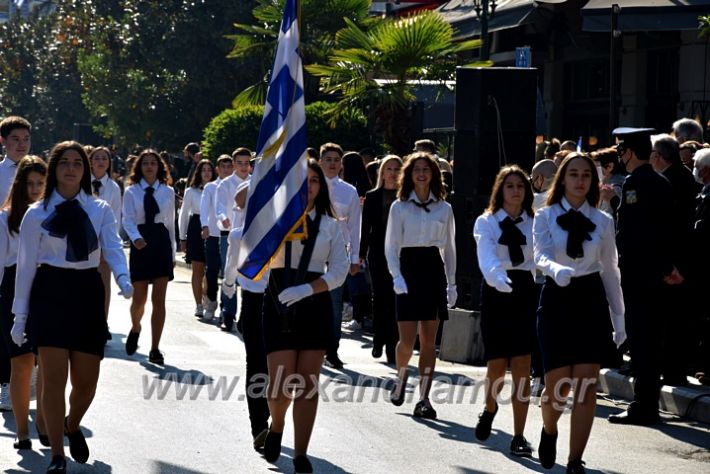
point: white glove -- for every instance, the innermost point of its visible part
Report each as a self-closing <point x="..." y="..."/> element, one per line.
<point x="400" y="286"/>
<point x="502" y="284"/>
<point x="619" y="324"/>
<point x="124" y="283"/>
<point x="564" y="275"/>
<point x="18" y="329"/>
<point x="451" y="295"/>
<point x="294" y="294"/>
<point x="229" y="290"/>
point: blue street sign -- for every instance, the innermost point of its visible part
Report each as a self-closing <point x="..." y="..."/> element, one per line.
<point x="523" y="57"/>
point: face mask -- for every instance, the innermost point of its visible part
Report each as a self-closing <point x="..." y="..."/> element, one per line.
<point x="696" y="175"/>
<point x="600" y="173"/>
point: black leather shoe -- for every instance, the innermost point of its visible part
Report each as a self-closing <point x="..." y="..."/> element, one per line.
<point x="632" y="417"/>
<point x="485" y="422"/>
<point x="547" y="450"/>
<point x="77" y="444"/>
<point x="401" y="385"/>
<point x="377" y="352"/>
<point x="333" y="361"/>
<point x="576" y="467"/>
<point x="302" y="464"/>
<point x="43" y="438"/>
<point x="58" y="465"/>
<point x="227" y="327"/>
<point x="520" y="447"/>
<point x="423" y="409"/>
<point x="156" y="357"/>
<point x="259" y="440"/>
<point x="109" y="336"/>
<point x="132" y="342"/>
<point x="272" y="446"/>
<point x="22" y="444"/>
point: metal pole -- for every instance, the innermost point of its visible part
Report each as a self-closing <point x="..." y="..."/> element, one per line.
<point x="485" y="46"/>
<point x="615" y="33"/>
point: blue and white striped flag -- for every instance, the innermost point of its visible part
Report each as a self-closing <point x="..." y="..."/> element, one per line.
<point x="278" y="192"/>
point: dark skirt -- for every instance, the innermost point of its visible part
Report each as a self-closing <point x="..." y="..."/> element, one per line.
<point x="7" y="319"/>
<point x="307" y="325"/>
<point x="423" y="271"/>
<point x="573" y="323"/>
<point x="195" y="245"/>
<point x="508" y="319"/>
<point x="155" y="260"/>
<point x="67" y="310"/>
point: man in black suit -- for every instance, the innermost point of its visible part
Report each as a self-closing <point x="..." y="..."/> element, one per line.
<point x="701" y="236"/>
<point x="678" y="337"/>
<point x="646" y="244"/>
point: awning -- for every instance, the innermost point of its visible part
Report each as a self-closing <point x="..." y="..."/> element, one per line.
<point x="644" y="15"/>
<point x="461" y="14"/>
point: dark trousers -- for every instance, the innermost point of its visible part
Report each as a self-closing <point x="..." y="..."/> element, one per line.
<point x="213" y="263"/>
<point x="257" y="369"/>
<point x="383" y="298"/>
<point x="644" y="318"/>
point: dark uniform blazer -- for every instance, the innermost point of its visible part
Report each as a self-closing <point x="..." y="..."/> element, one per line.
<point x="645" y="236"/>
<point x="701" y="236"/>
<point x="685" y="191"/>
<point x="374" y="225"/>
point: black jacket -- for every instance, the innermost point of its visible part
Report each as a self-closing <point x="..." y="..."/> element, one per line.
<point x="374" y="225"/>
<point x="685" y="190"/>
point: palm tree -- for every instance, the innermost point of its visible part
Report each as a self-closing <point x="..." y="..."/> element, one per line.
<point x="374" y="70"/>
<point x="320" y="20"/>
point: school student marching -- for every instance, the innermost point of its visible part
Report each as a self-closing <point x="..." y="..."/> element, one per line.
<point x="104" y="187"/>
<point x="27" y="188"/>
<point x="504" y="242"/>
<point x="59" y="302"/>
<point x="191" y="241"/>
<point x="420" y="231"/>
<point x="574" y="246"/>
<point x="298" y="320"/>
<point x="148" y="217"/>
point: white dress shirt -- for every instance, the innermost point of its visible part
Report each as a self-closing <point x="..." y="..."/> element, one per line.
<point x="8" y="168"/>
<point x="134" y="213"/>
<point x="346" y="204"/>
<point x="225" y="207"/>
<point x="190" y="206"/>
<point x="600" y="254"/>
<point x="494" y="258"/>
<point x="409" y="225"/>
<point x="231" y="270"/>
<point x="539" y="200"/>
<point x="37" y="247"/>
<point x="329" y="255"/>
<point x="111" y="193"/>
<point x="8" y="244"/>
<point x="207" y="208"/>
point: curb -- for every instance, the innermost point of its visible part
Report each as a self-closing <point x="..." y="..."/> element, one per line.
<point x="691" y="402"/>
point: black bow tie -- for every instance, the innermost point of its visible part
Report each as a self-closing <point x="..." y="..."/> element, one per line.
<point x="423" y="205"/>
<point x="578" y="228"/>
<point x="97" y="186"/>
<point x="513" y="238"/>
<point x="150" y="205"/>
<point x="71" y="221"/>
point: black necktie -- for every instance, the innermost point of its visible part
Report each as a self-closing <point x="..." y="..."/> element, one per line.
<point x="97" y="186"/>
<point x="150" y="205"/>
<point x="513" y="238"/>
<point x="423" y="205"/>
<point x="578" y="227"/>
<point x="71" y="221"/>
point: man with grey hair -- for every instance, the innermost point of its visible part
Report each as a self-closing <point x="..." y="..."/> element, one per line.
<point x="701" y="236"/>
<point x="687" y="129"/>
<point x="541" y="178"/>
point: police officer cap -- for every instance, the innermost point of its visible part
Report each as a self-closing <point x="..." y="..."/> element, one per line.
<point x="638" y="139"/>
<point x="192" y="148"/>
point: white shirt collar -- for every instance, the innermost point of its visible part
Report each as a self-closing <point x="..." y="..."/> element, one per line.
<point x="413" y="197"/>
<point x="144" y="184"/>
<point x="584" y="208"/>
<point x="57" y="198"/>
<point x="7" y="162"/>
<point x="103" y="179"/>
<point x="500" y="215"/>
<point x="332" y="181"/>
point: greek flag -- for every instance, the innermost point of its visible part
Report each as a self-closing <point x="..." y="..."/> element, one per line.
<point x="278" y="192"/>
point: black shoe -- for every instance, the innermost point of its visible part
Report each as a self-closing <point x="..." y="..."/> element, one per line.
<point x="58" y="465"/>
<point x="228" y="327"/>
<point x="377" y="352"/>
<point x="272" y="446"/>
<point x="259" y="440"/>
<point x="547" y="450"/>
<point x="333" y="361"/>
<point x="391" y="355"/>
<point x="132" y="342"/>
<point x="576" y="467"/>
<point x="156" y="357"/>
<point x="520" y="447"/>
<point x="22" y="444"/>
<point x="485" y="422"/>
<point x="43" y="438"/>
<point x="633" y="417"/>
<point x="77" y="444"/>
<point x="402" y="386"/>
<point x="109" y="336"/>
<point x="423" y="409"/>
<point x="302" y="464"/>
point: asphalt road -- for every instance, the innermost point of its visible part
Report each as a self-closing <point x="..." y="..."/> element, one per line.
<point x="191" y="416"/>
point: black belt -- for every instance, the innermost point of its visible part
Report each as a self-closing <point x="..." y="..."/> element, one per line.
<point x="223" y="232"/>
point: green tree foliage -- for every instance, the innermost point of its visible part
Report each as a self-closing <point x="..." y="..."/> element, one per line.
<point x="372" y="69"/>
<point x="320" y="21"/>
<point x="240" y="127"/>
